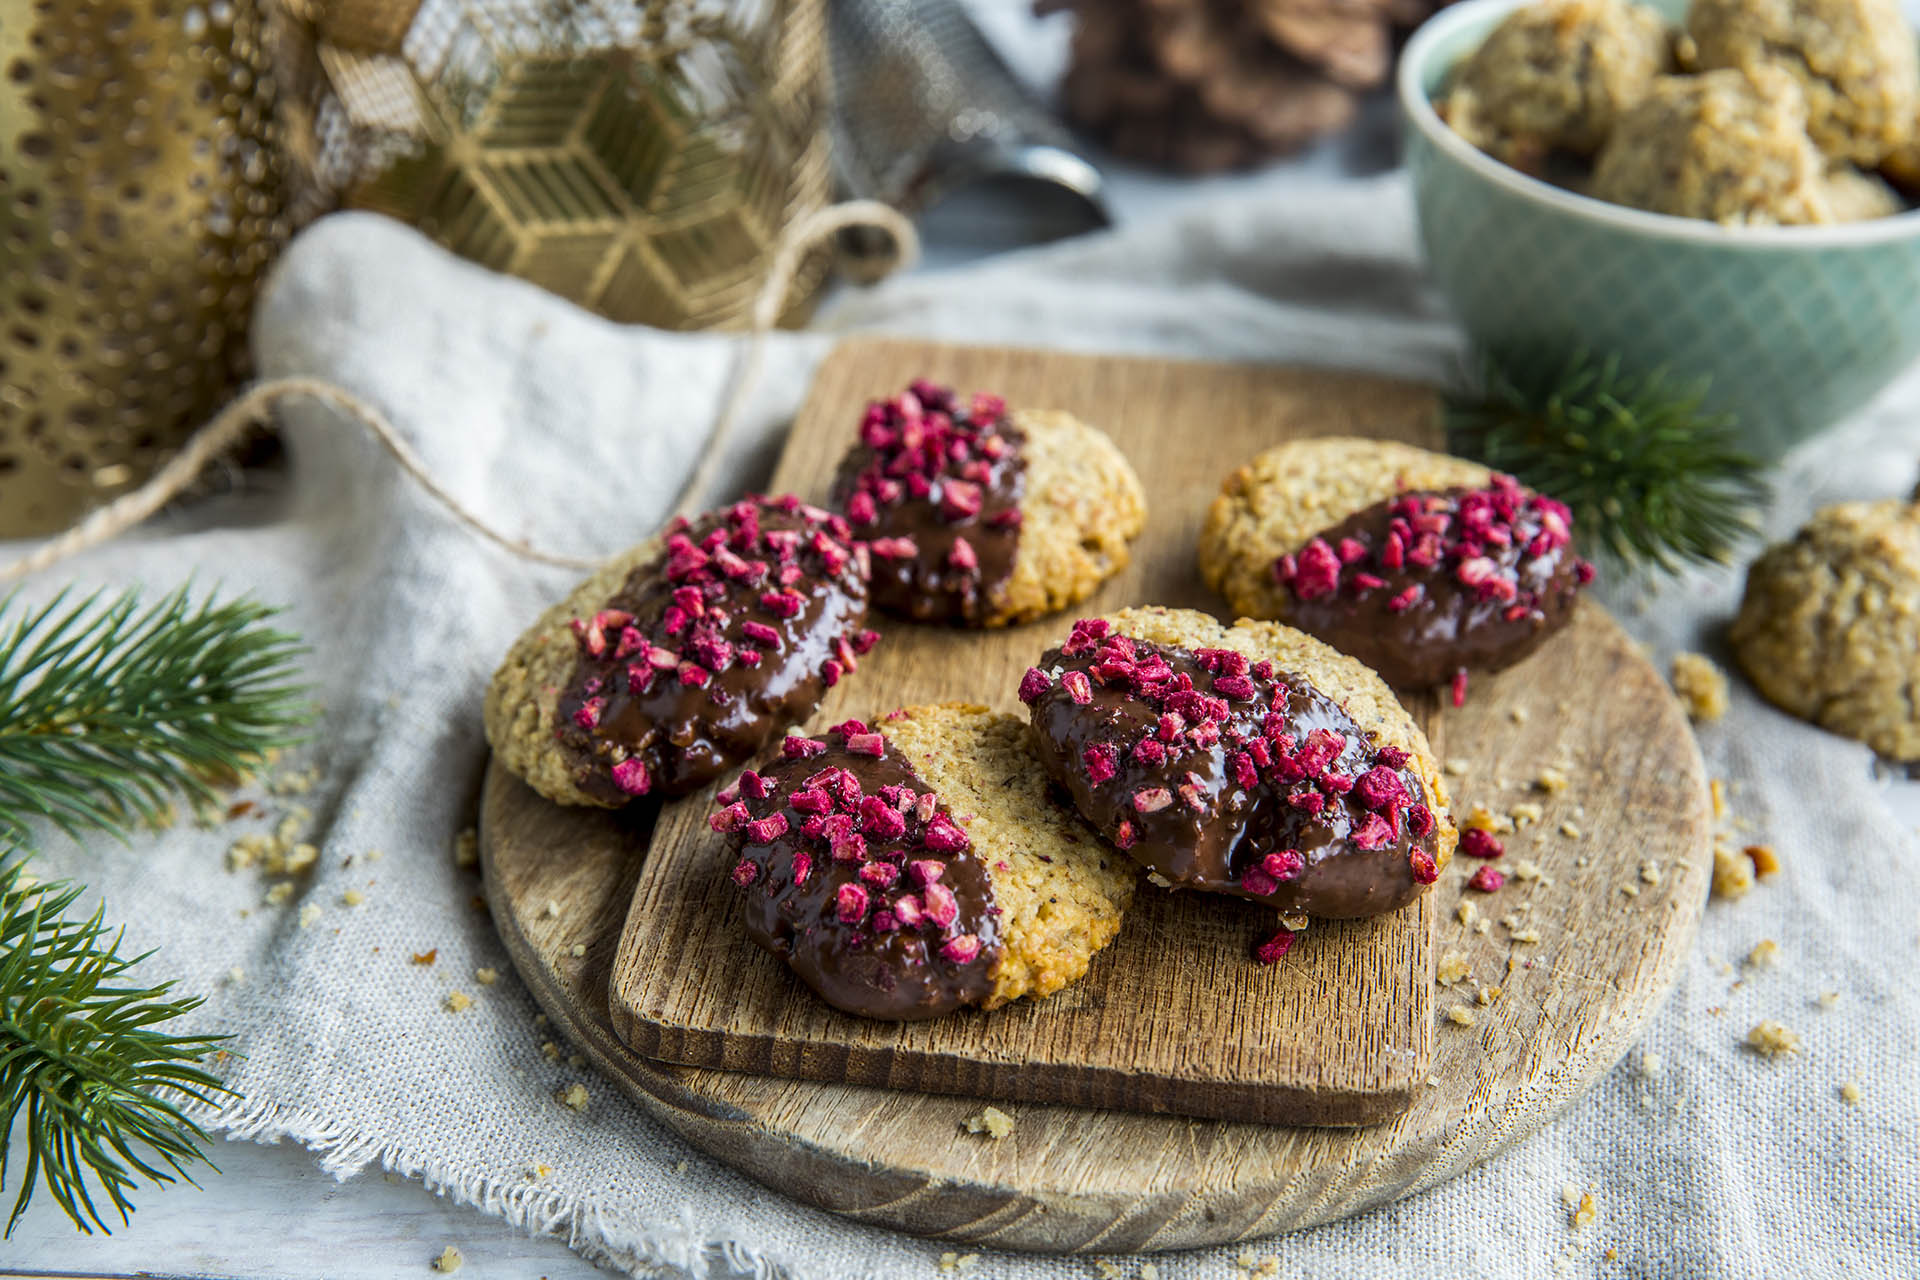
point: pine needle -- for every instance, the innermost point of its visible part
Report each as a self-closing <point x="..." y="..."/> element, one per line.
<point x="86" y="1063"/>
<point x="107" y="709"/>
<point x="1652" y="479"/>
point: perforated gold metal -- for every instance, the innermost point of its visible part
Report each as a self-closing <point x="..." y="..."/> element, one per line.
<point x="639" y="158"/>
<point x="140" y="199"/>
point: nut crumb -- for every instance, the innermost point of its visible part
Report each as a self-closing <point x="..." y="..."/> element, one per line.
<point x="426" y="957"/>
<point x="1765" y="952"/>
<point x="449" y="1261"/>
<point x="1487" y="995"/>
<point x="1551" y="780"/>
<point x="1159" y="881"/>
<point x="1718" y="789"/>
<point x="1732" y="874"/>
<point x="539" y="1172"/>
<point x="1769" y="1039"/>
<point x="1701" y="686"/>
<point x="486" y="977"/>
<point x="573" y="1097"/>
<point x="993" y="1122"/>
<point x="1585" y="1211"/>
<point x="1483" y="819"/>
<point x="352" y="898"/>
<point x="1850" y="1093"/>
<point x="1453" y="966"/>
<point x="1460" y="1015"/>
<point x="1765" y="861"/>
<point x="458" y="1001"/>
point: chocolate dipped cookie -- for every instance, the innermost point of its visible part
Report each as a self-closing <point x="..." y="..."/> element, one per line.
<point x="1249" y="760"/>
<point x="981" y="517"/>
<point x="683" y="658"/>
<point x="916" y="866"/>
<point x="1420" y="565"/>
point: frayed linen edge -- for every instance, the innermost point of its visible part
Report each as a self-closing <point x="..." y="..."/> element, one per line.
<point x="538" y="1211"/>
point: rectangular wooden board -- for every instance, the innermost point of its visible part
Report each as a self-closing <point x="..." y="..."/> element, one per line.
<point x="1174" y="1016"/>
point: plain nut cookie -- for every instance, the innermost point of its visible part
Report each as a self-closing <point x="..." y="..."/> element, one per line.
<point x="682" y="658"/>
<point x="918" y="866"/>
<point x="1829" y="628"/>
<point x="1249" y="760"/>
<point x="1420" y="565"/>
<point x="981" y="517"/>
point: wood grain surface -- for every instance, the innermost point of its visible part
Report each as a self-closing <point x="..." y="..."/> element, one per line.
<point x="1074" y="1179"/>
<point x="1174" y="1016"/>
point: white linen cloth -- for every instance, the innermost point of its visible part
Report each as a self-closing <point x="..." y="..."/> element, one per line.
<point x="577" y="433"/>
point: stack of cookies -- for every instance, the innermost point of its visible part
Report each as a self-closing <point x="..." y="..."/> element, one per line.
<point x="1206" y="85"/>
<point x="937" y="857"/>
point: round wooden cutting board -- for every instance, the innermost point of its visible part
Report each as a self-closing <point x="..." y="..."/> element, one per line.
<point x="1583" y="740"/>
<point x="1070" y="1179"/>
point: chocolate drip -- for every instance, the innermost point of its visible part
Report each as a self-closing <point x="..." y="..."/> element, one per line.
<point x="1223" y="816"/>
<point x="714" y="689"/>
<point x="873" y="963"/>
<point x="1449" y="624"/>
<point x="911" y="491"/>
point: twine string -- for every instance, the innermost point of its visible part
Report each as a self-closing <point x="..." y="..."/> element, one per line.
<point x="231" y="423"/>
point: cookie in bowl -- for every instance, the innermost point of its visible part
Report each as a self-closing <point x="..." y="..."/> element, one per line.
<point x="916" y="866"/>
<point x="1249" y="760"/>
<point x="1423" y="566"/>
<point x="982" y="517"/>
<point x="682" y="658"/>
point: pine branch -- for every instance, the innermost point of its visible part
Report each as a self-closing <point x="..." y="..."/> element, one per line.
<point x="85" y="1062"/>
<point x="1652" y="479"/>
<point x="107" y="710"/>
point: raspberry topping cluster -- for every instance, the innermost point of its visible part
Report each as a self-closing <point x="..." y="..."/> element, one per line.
<point x="894" y="842"/>
<point x="927" y="447"/>
<point x="729" y="594"/>
<point x="1496" y="543"/>
<point x="1243" y="711"/>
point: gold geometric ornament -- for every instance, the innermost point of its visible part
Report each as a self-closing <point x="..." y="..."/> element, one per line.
<point x="639" y="158"/>
<point x="140" y="201"/>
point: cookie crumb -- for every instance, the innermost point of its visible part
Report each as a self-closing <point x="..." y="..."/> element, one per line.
<point x="550" y="1051"/>
<point x="1700" y="685"/>
<point x="1525" y="812"/>
<point x="1460" y="1016"/>
<point x="577" y="950"/>
<point x="308" y="914"/>
<point x="539" y="1172"/>
<point x="1453" y="966"/>
<point x="449" y="1261"/>
<point x="1651" y="1065"/>
<point x="426" y="957"/>
<point x="1650" y="871"/>
<point x="1519" y="715"/>
<point x="466" y="848"/>
<point x="1569" y="830"/>
<point x="553" y="909"/>
<point x="1551" y="780"/>
<point x="573" y="1097"/>
<point x="1466" y="912"/>
<point x="1584" y="1212"/>
<point x="993" y="1122"/>
<point x="1765" y="861"/>
<point x="486" y="977"/>
<point x="458" y="1001"/>
<point x="1528" y="869"/>
<point x="1487" y="995"/>
<point x="1829" y="999"/>
<point x="1769" y="1039"/>
<point x="1850" y="1093"/>
<point x="1732" y="874"/>
<point x="1765" y="952"/>
<point x="277" y="896"/>
<point x="953" y="1263"/>
<point x="236" y="976"/>
<point x="1717" y="788"/>
<point x="1455" y="767"/>
<point x="352" y="898"/>
<point x="1483" y="819"/>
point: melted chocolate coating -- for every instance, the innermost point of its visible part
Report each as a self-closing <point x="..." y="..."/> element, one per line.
<point x="895" y="973"/>
<point x="1211" y="846"/>
<point x="688" y="734"/>
<point x="1451" y="625"/>
<point x="927" y="586"/>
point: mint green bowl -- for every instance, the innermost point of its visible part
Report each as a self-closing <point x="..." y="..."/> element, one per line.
<point x="1795" y="326"/>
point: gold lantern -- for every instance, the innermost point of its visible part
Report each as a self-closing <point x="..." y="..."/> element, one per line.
<point x="140" y="200"/>
<point x="639" y="157"/>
